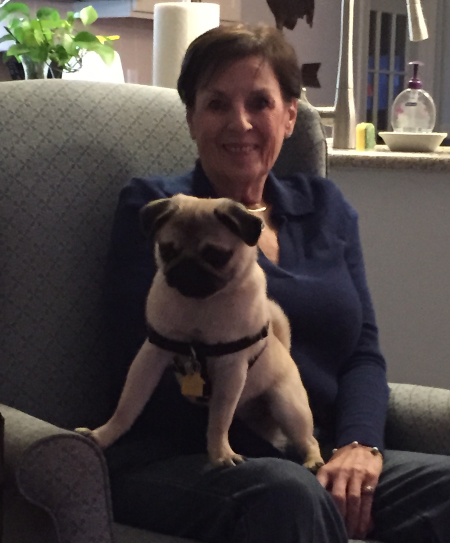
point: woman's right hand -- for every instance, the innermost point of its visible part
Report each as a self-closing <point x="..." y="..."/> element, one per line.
<point x="351" y="476"/>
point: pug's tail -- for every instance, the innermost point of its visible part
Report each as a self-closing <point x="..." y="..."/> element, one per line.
<point x="280" y="324"/>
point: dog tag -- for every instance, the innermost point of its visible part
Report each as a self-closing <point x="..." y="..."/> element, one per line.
<point x="192" y="385"/>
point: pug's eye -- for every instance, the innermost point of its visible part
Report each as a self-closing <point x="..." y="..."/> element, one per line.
<point x="168" y="251"/>
<point x="217" y="258"/>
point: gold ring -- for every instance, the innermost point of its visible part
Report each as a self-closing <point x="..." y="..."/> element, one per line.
<point x="367" y="489"/>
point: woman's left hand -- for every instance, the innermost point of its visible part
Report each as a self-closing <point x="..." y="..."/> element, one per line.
<point x="351" y="476"/>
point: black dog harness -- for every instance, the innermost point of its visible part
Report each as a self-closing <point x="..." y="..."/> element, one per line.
<point x="194" y="375"/>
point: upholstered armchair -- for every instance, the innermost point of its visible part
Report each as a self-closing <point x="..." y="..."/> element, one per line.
<point x="66" y="149"/>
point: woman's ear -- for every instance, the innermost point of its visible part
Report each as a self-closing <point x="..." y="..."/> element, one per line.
<point x="190" y="121"/>
<point x="291" y="117"/>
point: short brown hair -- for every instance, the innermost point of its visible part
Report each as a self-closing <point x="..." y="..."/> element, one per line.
<point x="219" y="46"/>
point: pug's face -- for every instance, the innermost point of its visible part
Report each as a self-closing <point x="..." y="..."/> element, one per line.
<point x="201" y="245"/>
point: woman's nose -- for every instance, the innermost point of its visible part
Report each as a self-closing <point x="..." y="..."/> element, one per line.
<point x="240" y="119"/>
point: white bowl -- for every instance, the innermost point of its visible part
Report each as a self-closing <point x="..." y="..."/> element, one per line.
<point x="413" y="141"/>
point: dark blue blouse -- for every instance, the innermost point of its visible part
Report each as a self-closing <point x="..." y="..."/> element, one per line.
<point x="319" y="282"/>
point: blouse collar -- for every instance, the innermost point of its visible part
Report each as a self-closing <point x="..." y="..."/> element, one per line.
<point x="291" y="196"/>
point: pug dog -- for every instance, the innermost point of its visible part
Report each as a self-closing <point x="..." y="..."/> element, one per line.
<point x="209" y="316"/>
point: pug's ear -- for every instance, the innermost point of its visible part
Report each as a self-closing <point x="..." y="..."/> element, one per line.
<point x="240" y="221"/>
<point x="155" y="214"/>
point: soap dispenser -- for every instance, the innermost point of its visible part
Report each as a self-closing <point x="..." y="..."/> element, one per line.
<point x="413" y="110"/>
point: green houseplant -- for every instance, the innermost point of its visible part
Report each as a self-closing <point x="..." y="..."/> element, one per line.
<point x="48" y="39"/>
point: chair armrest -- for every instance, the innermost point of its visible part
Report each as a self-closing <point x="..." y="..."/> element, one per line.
<point x="63" y="473"/>
<point x="418" y="419"/>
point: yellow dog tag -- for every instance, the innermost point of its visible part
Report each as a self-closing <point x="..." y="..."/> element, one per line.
<point x="192" y="385"/>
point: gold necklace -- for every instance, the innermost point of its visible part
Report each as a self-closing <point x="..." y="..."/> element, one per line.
<point x="258" y="209"/>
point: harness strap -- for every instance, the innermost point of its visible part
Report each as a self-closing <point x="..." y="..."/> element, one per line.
<point x="204" y="349"/>
<point x="201" y="351"/>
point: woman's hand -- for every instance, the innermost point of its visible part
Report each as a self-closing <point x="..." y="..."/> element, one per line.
<point x="351" y="476"/>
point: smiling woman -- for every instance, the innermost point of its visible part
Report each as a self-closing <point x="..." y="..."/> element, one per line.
<point x="240" y="89"/>
<point x="239" y="121"/>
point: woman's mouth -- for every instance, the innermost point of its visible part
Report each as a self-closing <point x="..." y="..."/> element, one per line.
<point x="239" y="149"/>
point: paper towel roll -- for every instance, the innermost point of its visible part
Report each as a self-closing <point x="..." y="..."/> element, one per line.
<point x="175" y="26"/>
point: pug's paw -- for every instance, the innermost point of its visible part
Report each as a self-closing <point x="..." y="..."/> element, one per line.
<point x="90" y="434"/>
<point x="314" y="467"/>
<point x="224" y="456"/>
<point x="85" y="432"/>
<point x="227" y="461"/>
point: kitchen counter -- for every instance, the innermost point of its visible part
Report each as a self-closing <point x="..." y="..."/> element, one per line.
<point x="383" y="159"/>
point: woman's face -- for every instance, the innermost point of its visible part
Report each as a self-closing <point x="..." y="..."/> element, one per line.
<point x="239" y="122"/>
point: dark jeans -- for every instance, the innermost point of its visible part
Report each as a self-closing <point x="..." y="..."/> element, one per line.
<point x="164" y="483"/>
<point x="262" y="500"/>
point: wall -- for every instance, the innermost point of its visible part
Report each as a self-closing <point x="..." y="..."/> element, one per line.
<point x="405" y="230"/>
<point x="317" y="44"/>
<point x="444" y="104"/>
<point x="135" y="45"/>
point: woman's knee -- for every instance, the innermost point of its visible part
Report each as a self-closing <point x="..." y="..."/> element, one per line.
<point x="282" y="481"/>
<point x="282" y="501"/>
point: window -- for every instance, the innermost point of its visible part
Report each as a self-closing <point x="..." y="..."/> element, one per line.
<point x="386" y="66"/>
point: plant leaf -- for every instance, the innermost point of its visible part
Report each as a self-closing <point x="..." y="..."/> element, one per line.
<point x="47" y="14"/>
<point x="15" y="7"/>
<point x="70" y="17"/>
<point x="8" y="37"/>
<point x="18" y="33"/>
<point x="105" y="52"/>
<point x="29" y="38"/>
<point x="39" y="36"/>
<point x="88" y="15"/>
<point x="51" y="24"/>
<point x="17" y="50"/>
<point x="38" y="55"/>
<point x="85" y="37"/>
<point x="67" y="43"/>
<point x="61" y="55"/>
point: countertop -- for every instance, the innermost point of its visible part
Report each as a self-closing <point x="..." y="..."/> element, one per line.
<point x="381" y="158"/>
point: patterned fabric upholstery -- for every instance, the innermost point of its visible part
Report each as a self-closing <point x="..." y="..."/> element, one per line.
<point x="66" y="149"/>
<point x="419" y="419"/>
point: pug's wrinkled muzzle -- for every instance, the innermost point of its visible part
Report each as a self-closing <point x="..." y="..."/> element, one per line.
<point x="192" y="280"/>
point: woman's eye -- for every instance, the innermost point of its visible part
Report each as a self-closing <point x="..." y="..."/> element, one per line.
<point x="216" y="105"/>
<point x="168" y="251"/>
<point x="259" y="103"/>
<point x="215" y="257"/>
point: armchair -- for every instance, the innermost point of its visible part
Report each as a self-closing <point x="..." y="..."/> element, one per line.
<point x="66" y="149"/>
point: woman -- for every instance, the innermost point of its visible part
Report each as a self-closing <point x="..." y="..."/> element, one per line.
<point x="240" y="86"/>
